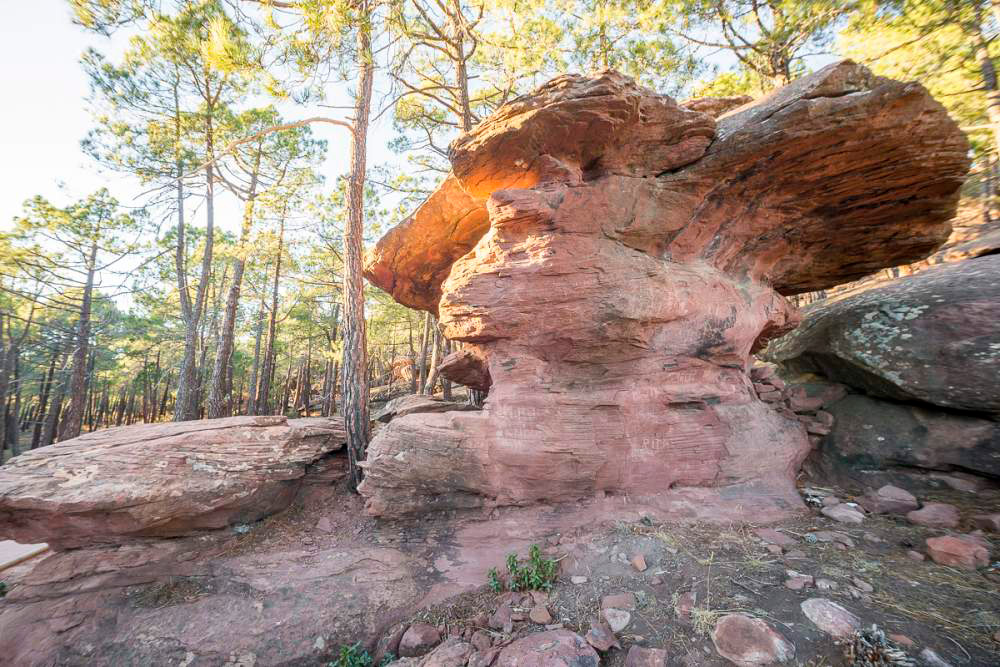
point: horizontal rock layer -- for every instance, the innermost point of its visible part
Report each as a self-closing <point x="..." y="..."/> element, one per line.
<point x="635" y="253"/>
<point x="160" y="480"/>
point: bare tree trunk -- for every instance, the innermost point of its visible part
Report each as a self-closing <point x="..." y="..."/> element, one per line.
<point x="355" y="363"/>
<point x="43" y="399"/>
<point x="988" y="71"/>
<point x="220" y="390"/>
<point x="435" y="360"/>
<point x="255" y="369"/>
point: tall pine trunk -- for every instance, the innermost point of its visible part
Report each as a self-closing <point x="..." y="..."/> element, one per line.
<point x="355" y="358"/>
<point x="72" y="422"/>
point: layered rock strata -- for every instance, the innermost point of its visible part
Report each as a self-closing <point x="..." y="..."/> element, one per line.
<point x="609" y="260"/>
<point x="160" y="480"/>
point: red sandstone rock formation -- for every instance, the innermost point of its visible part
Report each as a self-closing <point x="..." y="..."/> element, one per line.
<point x="611" y="259"/>
<point x="160" y="480"/>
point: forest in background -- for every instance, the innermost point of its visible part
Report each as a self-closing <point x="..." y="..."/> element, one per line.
<point x="121" y="312"/>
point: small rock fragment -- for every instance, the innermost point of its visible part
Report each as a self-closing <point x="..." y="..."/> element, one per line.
<point x="452" y="653"/>
<point x="552" y="648"/>
<point x="843" y="513"/>
<point x="830" y="617"/>
<point x="418" y="639"/>
<point x="578" y="579"/>
<point x="987" y="522"/>
<point x="958" y="551"/>
<point x="619" y="601"/>
<point x="540" y="615"/>
<point x="863" y="585"/>
<point x="748" y="641"/>
<point x="600" y="637"/>
<point x="932" y="659"/>
<point x="646" y="657"/>
<point x="889" y="500"/>
<point x="617" y="619"/>
<point x="772" y="536"/>
<point x="935" y="515"/>
<point x="915" y="555"/>
<point x="902" y="640"/>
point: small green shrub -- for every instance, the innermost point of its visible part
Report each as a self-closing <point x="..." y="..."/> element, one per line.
<point x="493" y="579"/>
<point x="3" y="589"/>
<point x="355" y="656"/>
<point x="534" y="574"/>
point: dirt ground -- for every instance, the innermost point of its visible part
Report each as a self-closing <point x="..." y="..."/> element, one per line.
<point x="277" y="565"/>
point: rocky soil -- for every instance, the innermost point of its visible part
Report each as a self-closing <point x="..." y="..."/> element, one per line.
<point x="298" y="586"/>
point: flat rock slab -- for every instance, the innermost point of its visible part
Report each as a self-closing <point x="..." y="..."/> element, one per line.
<point x="160" y="480"/>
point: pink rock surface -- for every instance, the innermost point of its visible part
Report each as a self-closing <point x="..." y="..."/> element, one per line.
<point x="958" y="551"/>
<point x="750" y="642"/>
<point x="889" y="500"/>
<point x="555" y="648"/>
<point x="160" y="480"/>
<point x="830" y="617"/>
<point x="935" y="515"/>
<point x="639" y="656"/>
<point x="636" y="253"/>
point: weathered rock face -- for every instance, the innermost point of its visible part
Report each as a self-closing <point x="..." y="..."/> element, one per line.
<point x="636" y="252"/>
<point x="931" y="337"/>
<point x="160" y="480"/>
<point x="874" y="441"/>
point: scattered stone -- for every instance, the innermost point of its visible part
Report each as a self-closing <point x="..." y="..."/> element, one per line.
<point x="748" y="641"/>
<point x="935" y="515"/>
<point x="619" y="601"/>
<point x="775" y="549"/>
<point x="988" y="522"/>
<point x="618" y="619"/>
<point x="540" y="598"/>
<point x="600" y="637"/>
<point x="863" y="585"/>
<point x="481" y="640"/>
<point x="873" y="538"/>
<point x="795" y="554"/>
<point x="553" y="648"/>
<point x="830" y="501"/>
<point x="889" y="500"/>
<point x="964" y="483"/>
<point x="932" y="659"/>
<point x="826" y="584"/>
<point x="958" y="551"/>
<point x="540" y="615"/>
<point x="418" y="639"/>
<point x="485" y="658"/>
<point x="656" y="581"/>
<point x="685" y="603"/>
<point x="646" y="657"/>
<point x="915" y="555"/>
<point x="451" y="653"/>
<point x="772" y="536"/>
<point x="502" y="619"/>
<point x="903" y="640"/>
<point x="578" y="579"/>
<point x="843" y="513"/>
<point x="830" y="617"/>
<point x="797" y="581"/>
<point x="832" y="536"/>
<point x="639" y="562"/>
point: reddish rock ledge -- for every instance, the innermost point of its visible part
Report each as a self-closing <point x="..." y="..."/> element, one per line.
<point x="612" y="259"/>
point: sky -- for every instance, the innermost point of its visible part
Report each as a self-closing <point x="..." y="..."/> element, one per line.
<point x="44" y="116"/>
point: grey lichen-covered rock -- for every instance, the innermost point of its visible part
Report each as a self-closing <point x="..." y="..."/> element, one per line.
<point x="932" y="337"/>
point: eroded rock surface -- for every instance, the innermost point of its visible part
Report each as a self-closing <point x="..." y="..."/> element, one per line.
<point x="160" y="480"/>
<point x="613" y="259"/>
<point x="933" y="338"/>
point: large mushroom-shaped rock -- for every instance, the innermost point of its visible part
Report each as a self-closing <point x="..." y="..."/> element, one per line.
<point x="933" y="338"/>
<point x="613" y="258"/>
<point x="160" y="480"/>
